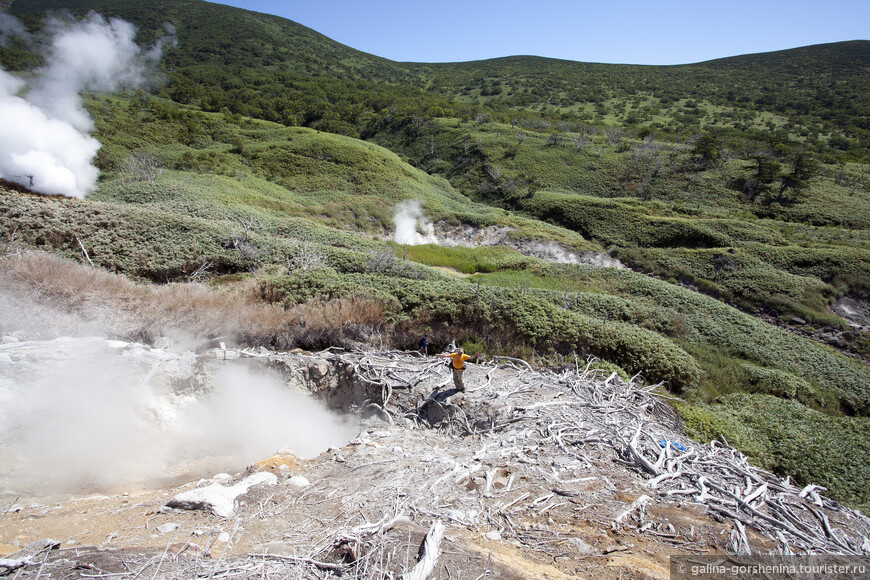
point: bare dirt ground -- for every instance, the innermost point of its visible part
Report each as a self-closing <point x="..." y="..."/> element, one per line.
<point x="533" y="474"/>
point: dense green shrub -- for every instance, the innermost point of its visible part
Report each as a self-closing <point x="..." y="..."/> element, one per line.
<point x="532" y="317"/>
<point x="713" y="325"/>
<point x="847" y="269"/>
<point x="139" y="242"/>
<point x="739" y="277"/>
<point x="771" y="381"/>
<point x="614" y="222"/>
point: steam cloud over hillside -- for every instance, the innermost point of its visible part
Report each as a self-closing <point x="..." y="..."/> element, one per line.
<point x="44" y="140"/>
<point x="408" y="216"/>
<point x="10" y="26"/>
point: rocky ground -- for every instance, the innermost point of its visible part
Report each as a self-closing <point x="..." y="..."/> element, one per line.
<point x="473" y="237"/>
<point x="851" y="340"/>
<point x="528" y="474"/>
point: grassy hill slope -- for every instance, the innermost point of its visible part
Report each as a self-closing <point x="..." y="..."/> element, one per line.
<point x="314" y="235"/>
<point x="807" y="85"/>
<point x="273" y="68"/>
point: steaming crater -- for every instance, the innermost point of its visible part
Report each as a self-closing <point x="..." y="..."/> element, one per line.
<point x="87" y="414"/>
<point x="472" y="237"/>
<point x="413" y="228"/>
<point x="410" y="222"/>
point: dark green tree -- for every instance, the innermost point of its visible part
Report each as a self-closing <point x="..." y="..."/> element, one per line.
<point x="801" y="169"/>
<point x="766" y="172"/>
<point x="707" y="150"/>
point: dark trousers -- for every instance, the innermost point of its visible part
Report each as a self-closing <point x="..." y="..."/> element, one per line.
<point x="457" y="379"/>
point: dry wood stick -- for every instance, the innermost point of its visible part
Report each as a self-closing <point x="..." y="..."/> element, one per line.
<point x="84" y="251"/>
<point x="511" y="359"/>
<point x="429" y="552"/>
<point x="41" y="566"/>
<point x="779" y="523"/>
<point x="637" y="504"/>
<point x="317" y="564"/>
<point x="638" y="456"/>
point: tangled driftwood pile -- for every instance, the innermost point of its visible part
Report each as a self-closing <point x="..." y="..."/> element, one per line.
<point x="577" y="411"/>
<point x="531" y="473"/>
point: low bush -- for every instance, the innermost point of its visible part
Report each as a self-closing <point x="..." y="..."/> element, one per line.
<point x="621" y="222"/>
<point x="738" y="277"/>
<point x="532" y="318"/>
<point x="713" y="326"/>
<point x="845" y="268"/>
<point x="777" y="383"/>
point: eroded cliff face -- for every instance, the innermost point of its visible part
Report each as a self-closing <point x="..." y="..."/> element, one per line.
<point x="533" y="474"/>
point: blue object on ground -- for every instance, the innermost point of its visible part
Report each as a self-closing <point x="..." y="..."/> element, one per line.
<point x="676" y="446"/>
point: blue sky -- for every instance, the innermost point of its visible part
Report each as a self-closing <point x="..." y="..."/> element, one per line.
<point x="613" y="31"/>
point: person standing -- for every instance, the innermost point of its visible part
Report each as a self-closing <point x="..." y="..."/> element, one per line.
<point x="457" y="366"/>
<point x="424" y="345"/>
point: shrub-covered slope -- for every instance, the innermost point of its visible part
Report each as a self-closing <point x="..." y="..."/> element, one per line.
<point x="315" y="234"/>
<point x="738" y="205"/>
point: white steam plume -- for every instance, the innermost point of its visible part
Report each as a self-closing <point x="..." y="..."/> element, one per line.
<point x="553" y="252"/>
<point x="86" y="414"/>
<point x="41" y="153"/>
<point x="9" y="27"/>
<point x="409" y="220"/>
<point x="44" y="141"/>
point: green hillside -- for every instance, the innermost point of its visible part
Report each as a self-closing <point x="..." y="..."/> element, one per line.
<point x="269" y="67"/>
<point x="736" y="190"/>
<point x="818" y="89"/>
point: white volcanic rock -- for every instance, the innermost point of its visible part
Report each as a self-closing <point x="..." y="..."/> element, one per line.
<point x="220" y="499"/>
